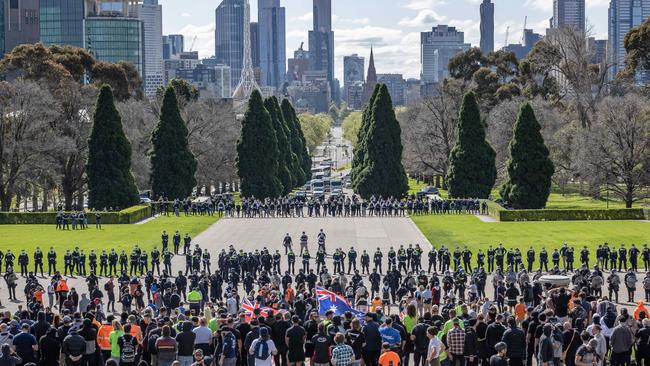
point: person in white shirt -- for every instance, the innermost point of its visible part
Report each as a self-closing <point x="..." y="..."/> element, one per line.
<point x="262" y="349"/>
<point x="203" y="336"/>
<point x="435" y="347"/>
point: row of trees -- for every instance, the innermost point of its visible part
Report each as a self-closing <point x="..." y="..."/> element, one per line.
<point x="597" y="130"/>
<point x="173" y="166"/>
<point x="377" y="162"/>
<point x="46" y="121"/>
<point x="272" y="155"/>
<point x="472" y="166"/>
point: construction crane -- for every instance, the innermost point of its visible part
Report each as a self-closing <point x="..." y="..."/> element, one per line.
<point x="523" y="35"/>
<point x="193" y="42"/>
<point x="507" y="34"/>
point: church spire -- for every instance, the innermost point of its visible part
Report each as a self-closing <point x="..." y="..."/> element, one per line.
<point x="372" y="72"/>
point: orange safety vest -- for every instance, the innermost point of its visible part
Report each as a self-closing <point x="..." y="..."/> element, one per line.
<point x="38" y="295"/>
<point x="290" y="295"/>
<point x="640" y="309"/>
<point x="62" y="286"/>
<point x="102" y="337"/>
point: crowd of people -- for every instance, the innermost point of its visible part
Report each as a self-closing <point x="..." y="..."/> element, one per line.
<point x="257" y="309"/>
<point x="330" y="206"/>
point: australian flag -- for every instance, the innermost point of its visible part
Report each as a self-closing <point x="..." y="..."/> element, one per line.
<point x="327" y="300"/>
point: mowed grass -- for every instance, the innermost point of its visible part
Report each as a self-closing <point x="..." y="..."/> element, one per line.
<point x="460" y="230"/>
<point x="570" y="201"/>
<point x="28" y="237"/>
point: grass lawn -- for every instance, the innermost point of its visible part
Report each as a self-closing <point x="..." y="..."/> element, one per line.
<point x="452" y="230"/>
<point x="28" y="237"/>
<point x="555" y="200"/>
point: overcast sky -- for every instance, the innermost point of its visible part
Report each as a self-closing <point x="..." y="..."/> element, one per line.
<point x="392" y="27"/>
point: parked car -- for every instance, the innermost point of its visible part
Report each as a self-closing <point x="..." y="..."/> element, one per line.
<point x="428" y="191"/>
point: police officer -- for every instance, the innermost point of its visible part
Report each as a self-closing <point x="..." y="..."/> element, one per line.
<point x="205" y="258"/>
<point x="377" y="257"/>
<point x="584" y="256"/>
<point x="365" y="262"/>
<point x="499" y="254"/>
<point x="630" y="283"/>
<point x="81" y="267"/>
<point x="187" y="241"/>
<point x="490" y="256"/>
<point x="291" y="262"/>
<point x="305" y="260"/>
<point x="103" y="263"/>
<point x="613" y="259"/>
<point x="124" y="261"/>
<point x="634" y="257"/>
<point x="38" y="261"/>
<point x="67" y="263"/>
<point x="622" y="257"/>
<point x="167" y="261"/>
<point x="543" y="259"/>
<point x="112" y="262"/>
<point x="51" y="261"/>
<point x="530" y="258"/>
<point x="352" y="259"/>
<point x="177" y="242"/>
<point x="92" y="261"/>
<point x="23" y="260"/>
<point x="320" y="260"/>
<point x="646" y="256"/>
<point x="432" y="259"/>
<point x="613" y="283"/>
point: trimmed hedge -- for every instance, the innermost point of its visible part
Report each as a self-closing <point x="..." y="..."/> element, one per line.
<point x="129" y="215"/>
<point x="502" y="214"/>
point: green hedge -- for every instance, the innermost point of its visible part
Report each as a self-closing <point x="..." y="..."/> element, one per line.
<point x="505" y="215"/>
<point x="129" y="215"/>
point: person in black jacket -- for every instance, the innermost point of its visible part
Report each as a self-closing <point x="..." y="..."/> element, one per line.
<point x="74" y="348"/>
<point x="515" y="338"/>
<point x="494" y="334"/>
<point x="372" y="348"/>
<point x="471" y="344"/>
<point x="49" y="349"/>
<point x="499" y="359"/>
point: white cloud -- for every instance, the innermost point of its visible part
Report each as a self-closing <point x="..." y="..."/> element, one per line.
<point x="544" y="5"/>
<point x="186" y="15"/>
<point x="424" y="18"/>
<point x="204" y="38"/>
<point x="423" y="4"/>
<point x="304" y="18"/>
<point x="597" y="3"/>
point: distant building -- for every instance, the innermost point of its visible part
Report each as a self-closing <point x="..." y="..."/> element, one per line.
<point x="229" y="36"/>
<point x="211" y="81"/>
<point x="522" y="50"/>
<point x="396" y="87"/>
<point x="272" y="42"/>
<point x="321" y="42"/>
<point x="297" y="65"/>
<point x="255" y="44"/>
<point x="21" y="23"/>
<point x="487" y="26"/>
<point x="312" y="93"/>
<point x="437" y="48"/>
<point x="354" y="95"/>
<point x="623" y="16"/>
<point x="150" y="13"/>
<point x="413" y="90"/>
<point x="353" y="73"/>
<point x="568" y="13"/>
<point x="185" y="60"/>
<point x="62" y="22"/>
<point x="114" y="32"/>
<point x="173" y="45"/>
<point x="598" y="50"/>
<point x="371" y="79"/>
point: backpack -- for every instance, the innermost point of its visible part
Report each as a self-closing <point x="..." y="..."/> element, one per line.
<point x="151" y="344"/>
<point x="261" y="350"/>
<point x="630" y="281"/>
<point x="128" y="351"/>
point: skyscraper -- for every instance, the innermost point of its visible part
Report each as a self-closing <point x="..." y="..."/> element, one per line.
<point x="21" y="23"/>
<point x="229" y="36"/>
<point x="353" y="74"/>
<point x="396" y="87"/>
<point x="436" y="48"/>
<point x="150" y="13"/>
<point x="114" y="32"/>
<point x="173" y="45"/>
<point x="568" y="13"/>
<point x="272" y="42"/>
<point x="623" y="16"/>
<point x="255" y="44"/>
<point x="487" y="26"/>
<point x="321" y="42"/>
<point x="62" y="22"/>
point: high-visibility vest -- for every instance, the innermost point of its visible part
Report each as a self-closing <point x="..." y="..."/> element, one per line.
<point x="194" y="297"/>
<point x="102" y="337"/>
<point x="62" y="286"/>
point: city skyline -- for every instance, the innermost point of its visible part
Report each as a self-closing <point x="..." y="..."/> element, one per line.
<point x="394" y="35"/>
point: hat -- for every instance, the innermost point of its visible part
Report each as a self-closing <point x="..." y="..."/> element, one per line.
<point x="500" y="346"/>
<point x="67" y="319"/>
<point x="264" y="332"/>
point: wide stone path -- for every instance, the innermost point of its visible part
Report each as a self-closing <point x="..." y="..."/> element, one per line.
<point x="362" y="233"/>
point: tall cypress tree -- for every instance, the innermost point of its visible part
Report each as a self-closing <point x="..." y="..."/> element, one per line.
<point x="110" y="182"/>
<point x="296" y="143"/>
<point x="303" y="156"/>
<point x="472" y="170"/>
<point x="529" y="168"/>
<point x="284" y="159"/>
<point x="257" y="152"/>
<point x="360" y="151"/>
<point x="383" y="173"/>
<point x="172" y="163"/>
